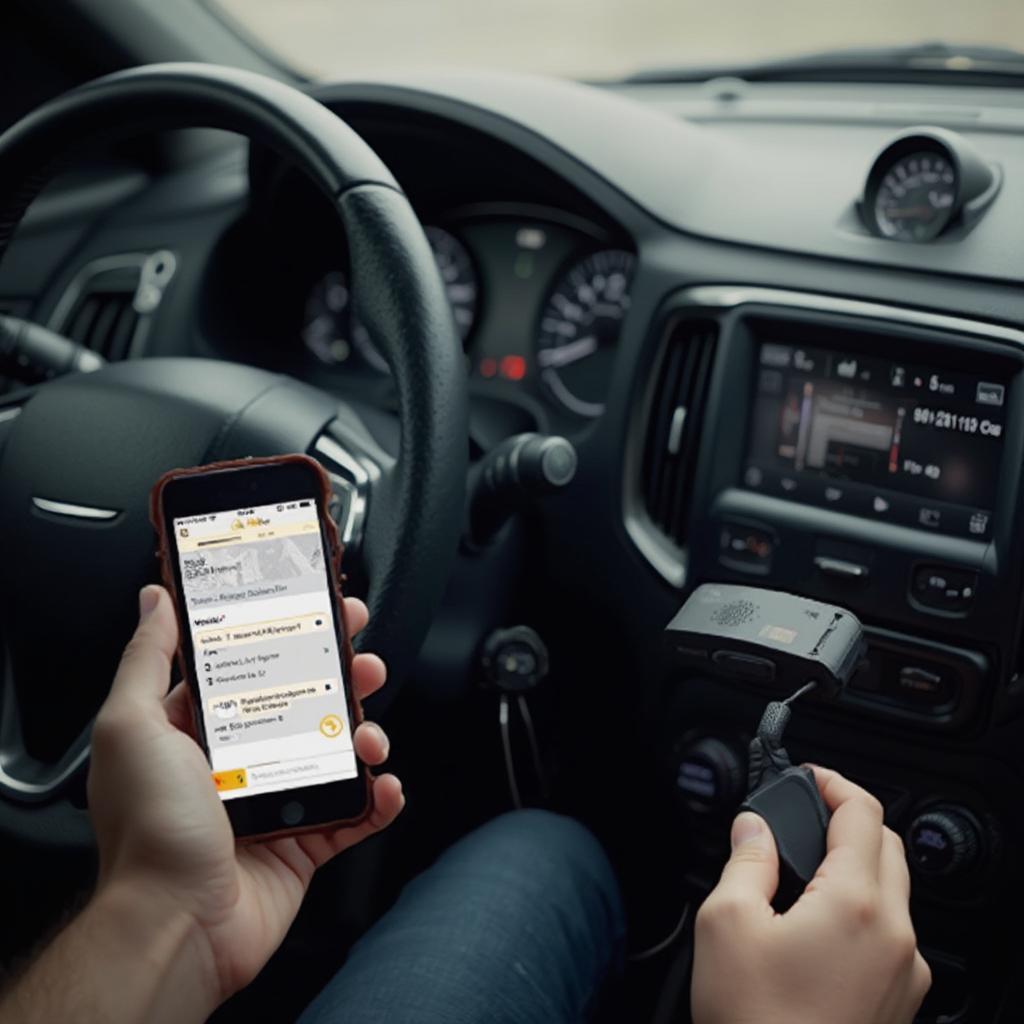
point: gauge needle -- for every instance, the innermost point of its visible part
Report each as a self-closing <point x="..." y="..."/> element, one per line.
<point x="910" y="211"/>
<point x="566" y="354"/>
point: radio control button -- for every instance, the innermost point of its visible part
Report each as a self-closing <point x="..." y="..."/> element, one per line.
<point x="977" y="525"/>
<point x="841" y="568"/>
<point x="944" y="841"/>
<point x="710" y="776"/>
<point x="944" y="588"/>
<point x="927" y="687"/>
<point x="746" y="548"/>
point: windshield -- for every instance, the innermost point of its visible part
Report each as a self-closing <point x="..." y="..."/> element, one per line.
<point x="605" y="39"/>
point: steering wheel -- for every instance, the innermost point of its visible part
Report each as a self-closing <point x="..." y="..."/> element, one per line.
<point x="80" y="453"/>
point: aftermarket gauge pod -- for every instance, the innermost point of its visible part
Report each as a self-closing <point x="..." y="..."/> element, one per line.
<point x="977" y="182"/>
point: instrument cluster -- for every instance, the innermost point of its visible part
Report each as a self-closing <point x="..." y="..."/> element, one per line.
<point x="538" y="296"/>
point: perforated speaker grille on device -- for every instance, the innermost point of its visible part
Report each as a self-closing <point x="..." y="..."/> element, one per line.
<point x="735" y="613"/>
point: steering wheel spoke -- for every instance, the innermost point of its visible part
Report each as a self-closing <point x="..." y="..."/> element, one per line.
<point x="24" y="778"/>
<point x="357" y="465"/>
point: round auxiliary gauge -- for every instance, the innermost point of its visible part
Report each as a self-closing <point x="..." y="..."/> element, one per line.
<point x="579" y="327"/>
<point x="333" y="334"/>
<point x="916" y="198"/>
<point x="923" y="183"/>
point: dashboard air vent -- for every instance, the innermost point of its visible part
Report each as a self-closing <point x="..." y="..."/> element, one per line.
<point x="673" y="426"/>
<point x="104" y="321"/>
<point x="108" y="304"/>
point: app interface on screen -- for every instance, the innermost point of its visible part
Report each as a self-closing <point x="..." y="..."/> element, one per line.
<point x="267" y="658"/>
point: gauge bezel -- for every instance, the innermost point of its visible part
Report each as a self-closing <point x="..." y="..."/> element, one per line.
<point x="973" y="177"/>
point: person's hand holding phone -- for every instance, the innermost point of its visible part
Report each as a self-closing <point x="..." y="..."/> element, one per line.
<point x="165" y="842"/>
<point x="845" y="952"/>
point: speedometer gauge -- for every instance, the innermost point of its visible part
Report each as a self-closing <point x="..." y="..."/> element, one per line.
<point x="579" y="327"/>
<point x="333" y="334"/>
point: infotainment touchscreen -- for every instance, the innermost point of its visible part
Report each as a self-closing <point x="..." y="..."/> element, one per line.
<point x="899" y="442"/>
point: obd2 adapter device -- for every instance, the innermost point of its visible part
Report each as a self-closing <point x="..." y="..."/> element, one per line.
<point x="768" y="637"/>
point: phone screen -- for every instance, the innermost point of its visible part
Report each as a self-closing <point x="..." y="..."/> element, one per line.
<point x="269" y="670"/>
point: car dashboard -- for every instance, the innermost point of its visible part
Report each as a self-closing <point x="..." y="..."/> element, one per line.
<point x="783" y="327"/>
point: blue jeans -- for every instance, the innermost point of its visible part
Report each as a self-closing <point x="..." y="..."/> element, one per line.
<point x="520" y="922"/>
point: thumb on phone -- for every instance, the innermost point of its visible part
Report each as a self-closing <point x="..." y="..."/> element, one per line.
<point x="144" y="675"/>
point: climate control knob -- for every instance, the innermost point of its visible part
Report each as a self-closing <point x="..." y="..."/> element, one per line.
<point x="944" y="841"/>
<point x="710" y="776"/>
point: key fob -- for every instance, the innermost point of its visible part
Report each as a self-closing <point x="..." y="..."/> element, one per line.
<point x="793" y="809"/>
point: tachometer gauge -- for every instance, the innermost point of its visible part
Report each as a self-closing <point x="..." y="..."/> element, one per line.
<point x="334" y="335"/>
<point x="916" y="198"/>
<point x="579" y="327"/>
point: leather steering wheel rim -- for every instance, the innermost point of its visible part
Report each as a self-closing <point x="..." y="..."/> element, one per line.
<point x="413" y="527"/>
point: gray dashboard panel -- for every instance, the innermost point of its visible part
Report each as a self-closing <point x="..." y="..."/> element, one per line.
<point x="783" y="184"/>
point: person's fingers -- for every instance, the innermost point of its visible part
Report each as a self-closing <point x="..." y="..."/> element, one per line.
<point x="836" y="789"/>
<point x="145" y="669"/>
<point x="357" y="615"/>
<point x="369" y="673"/>
<point x="304" y="854"/>
<point x="371" y="743"/>
<point x="751" y="875"/>
<point x="893" y="873"/>
<point x="855" y="831"/>
<point x="388" y="801"/>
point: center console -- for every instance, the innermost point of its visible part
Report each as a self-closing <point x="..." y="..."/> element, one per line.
<point x="869" y="457"/>
<point x="877" y="466"/>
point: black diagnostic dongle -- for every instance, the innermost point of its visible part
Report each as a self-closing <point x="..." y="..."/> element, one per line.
<point x="783" y="641"/>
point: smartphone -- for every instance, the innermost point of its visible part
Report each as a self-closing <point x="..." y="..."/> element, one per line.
<point x="251" y="556"/>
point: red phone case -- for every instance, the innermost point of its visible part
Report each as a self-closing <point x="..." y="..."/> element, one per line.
<point x="156" y="516"/>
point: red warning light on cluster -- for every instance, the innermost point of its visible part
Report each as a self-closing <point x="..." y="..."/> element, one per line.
<point x="513" y="367"/>
<point x="509" y="367"/>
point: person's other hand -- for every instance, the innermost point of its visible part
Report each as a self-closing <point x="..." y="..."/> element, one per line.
<point x="162" y="830"/>
<point x="844" y="953"/>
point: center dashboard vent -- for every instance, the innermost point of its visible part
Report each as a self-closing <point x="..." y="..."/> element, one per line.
<point x="106" y="306"/>
<point x="673" y="426"/>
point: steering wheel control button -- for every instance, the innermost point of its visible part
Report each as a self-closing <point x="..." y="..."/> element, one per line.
<point x="710" y="777"/>
<point x="944" y="841"/>
<point x="943" y="588"/>
<point x="292" y="813"/>
<point x="514" y="659"/>
<point x="746" y="548"/>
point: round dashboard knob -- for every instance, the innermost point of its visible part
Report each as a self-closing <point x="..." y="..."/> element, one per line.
<point x="944" y="841"/>
<point x="710" y="776"/>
